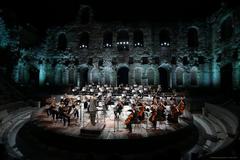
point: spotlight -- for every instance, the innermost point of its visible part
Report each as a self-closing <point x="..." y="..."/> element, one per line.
<point x="127" y="42"/>
<point x="120" y="42"/>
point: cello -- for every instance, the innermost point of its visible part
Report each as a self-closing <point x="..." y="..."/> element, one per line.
<point x="181" y="106"/>
<point x="129" y="119"/>
<point x="140" y="114"/>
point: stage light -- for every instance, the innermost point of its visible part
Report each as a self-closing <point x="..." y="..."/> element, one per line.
<point x="127" y="42"/>
<point x="120" y="42"/>
<point x="117" y="42"/>
<point x="123" y="42"/>
<point x="138" y="43"/>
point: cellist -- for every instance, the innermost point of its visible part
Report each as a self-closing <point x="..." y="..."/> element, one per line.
<point x="131" y="117"/>
<point x="181" y="106"/>
<point x="141" y="112"/>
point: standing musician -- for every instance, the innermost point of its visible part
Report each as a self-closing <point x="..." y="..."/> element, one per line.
<point x="153" y="117"/>
<point x="118" y="109"/>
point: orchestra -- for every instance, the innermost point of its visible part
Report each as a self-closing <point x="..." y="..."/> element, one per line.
<point x="132" y="102"/>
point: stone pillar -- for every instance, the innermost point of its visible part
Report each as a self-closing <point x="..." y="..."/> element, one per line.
<point x="215" y="75"/>
<point x="42" y="74"/>
<point x="236" y="75"/>
<point x="206" y="75"/>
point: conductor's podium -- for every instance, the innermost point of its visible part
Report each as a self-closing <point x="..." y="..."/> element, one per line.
<point x="92" y="130"/>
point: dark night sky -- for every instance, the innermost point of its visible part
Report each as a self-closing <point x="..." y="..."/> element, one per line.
<point x="43" y="13"/>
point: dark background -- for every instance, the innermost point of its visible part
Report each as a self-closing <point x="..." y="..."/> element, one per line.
<point x="43" y="13"/>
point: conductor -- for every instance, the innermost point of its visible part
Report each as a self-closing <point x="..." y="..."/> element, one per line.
<point x="93" y="110"/>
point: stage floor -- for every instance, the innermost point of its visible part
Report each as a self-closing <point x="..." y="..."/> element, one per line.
<point x="105" y="128"/>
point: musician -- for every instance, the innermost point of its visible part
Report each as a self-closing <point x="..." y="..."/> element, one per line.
<point x="93" y="110"/>
<point x="181" y="105"/>
<point x="140" y="113"/>
<point x="118" y="109"/>
<point x="174" y="114"/>
<point x="159" y="89"/>
<point x="52" y="110"/>
<point x="153" y="117"/>
<point x="160" y="111"/>
<point x="131" y="118"/>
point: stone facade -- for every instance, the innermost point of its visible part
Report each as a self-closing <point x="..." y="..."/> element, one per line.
<point x="176" y="55"/>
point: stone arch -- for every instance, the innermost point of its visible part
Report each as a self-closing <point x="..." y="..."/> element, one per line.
<point x="95" y="75"/>
<point x="33" y="75"/>
<point x="58" y="74"/>
<point x="151" y="76"/>
<point x="122" y="74"/>
<point x="138" y="40"/>
<point x="62" y="42"/>
<point x="108" y="76"/>
<point x="122" y="40"/>
<point x="179" y="77"/>
<point x="107" y="39"/>
<point x="72" y="75"/>
<point x="138" y="71"/>
<point x="226" y="29"/>
<point x="164" y="37"/>
<point x="84" y="40"/>
<point x="83" y="75"/>
<point x="194" y="76"/>
<point x="192" y="36"/>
